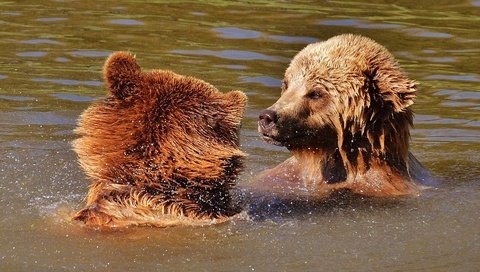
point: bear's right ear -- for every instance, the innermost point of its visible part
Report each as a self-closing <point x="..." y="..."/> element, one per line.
<point x="392" y="87"/>
<point x="121" y="74"/>
<point x="235" y="103"/>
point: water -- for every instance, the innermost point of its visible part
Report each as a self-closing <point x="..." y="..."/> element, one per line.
<point x="50" y="70"/>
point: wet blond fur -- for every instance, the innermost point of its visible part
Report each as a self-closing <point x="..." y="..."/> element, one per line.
<point x="353" y="132"/>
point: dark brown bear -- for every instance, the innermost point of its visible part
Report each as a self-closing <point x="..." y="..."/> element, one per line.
<point x="345" y="113"/>
<point x="162" y="149"/>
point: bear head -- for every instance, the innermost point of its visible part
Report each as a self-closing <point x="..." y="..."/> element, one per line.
<point x="347" y="94"/>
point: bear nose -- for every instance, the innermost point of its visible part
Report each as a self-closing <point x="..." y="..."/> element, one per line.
<point x="268" y="117"/>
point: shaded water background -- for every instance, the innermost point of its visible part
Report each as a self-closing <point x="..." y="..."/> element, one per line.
<point x="51" y="55"/>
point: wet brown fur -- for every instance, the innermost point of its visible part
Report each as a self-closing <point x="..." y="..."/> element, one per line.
<point x="345" y="113"/>
<point x="162" y="149"/>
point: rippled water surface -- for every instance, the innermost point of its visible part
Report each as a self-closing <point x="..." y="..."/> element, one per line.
<point x="51" y="58"/>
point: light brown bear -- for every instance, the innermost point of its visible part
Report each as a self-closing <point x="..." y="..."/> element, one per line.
<point x="345" y="114"/>
<point x="162" y="149"/>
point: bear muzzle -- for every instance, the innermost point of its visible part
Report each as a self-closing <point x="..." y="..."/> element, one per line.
<point x="267" y="126"/>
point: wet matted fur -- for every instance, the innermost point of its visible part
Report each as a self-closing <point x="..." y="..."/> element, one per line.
<point x="162" y="149"/>
<point x="345" y="113"/>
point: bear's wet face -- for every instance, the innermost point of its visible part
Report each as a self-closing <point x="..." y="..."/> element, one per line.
<point x="301" y="118"/>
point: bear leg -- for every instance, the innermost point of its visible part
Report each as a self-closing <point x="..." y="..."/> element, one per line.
<point x="91" y="216"/>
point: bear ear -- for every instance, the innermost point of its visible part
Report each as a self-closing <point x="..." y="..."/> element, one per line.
<point x="121" y="74"/>
<point x="392" y="88"/>
<point x="236" y="101"/>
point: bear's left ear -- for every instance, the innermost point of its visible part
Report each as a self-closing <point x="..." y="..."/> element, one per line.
<point x="393" y="87"/>
<point x="121" y="74"/>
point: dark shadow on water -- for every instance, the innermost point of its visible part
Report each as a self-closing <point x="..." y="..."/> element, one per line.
<point x="261" y="206"/>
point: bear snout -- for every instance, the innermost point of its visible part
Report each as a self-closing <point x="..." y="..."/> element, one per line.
<point x="267" y="120"/>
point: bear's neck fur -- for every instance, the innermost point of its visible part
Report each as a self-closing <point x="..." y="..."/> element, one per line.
<point x="374" y="161"/>
<point x="357" y="166"/>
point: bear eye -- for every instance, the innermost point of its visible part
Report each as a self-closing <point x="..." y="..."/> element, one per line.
<point x="314" y="94"/>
